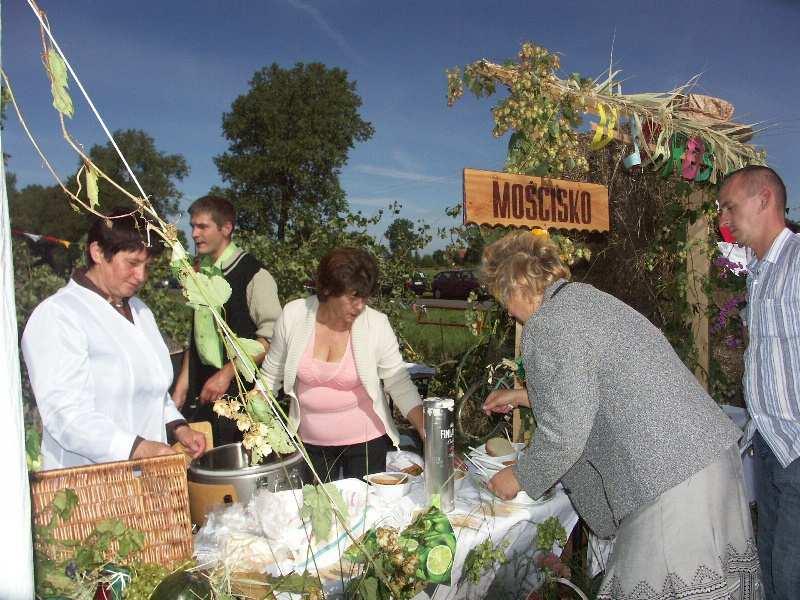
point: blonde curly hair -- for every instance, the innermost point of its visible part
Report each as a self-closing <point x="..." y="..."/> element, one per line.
<point x="521" y="259"/>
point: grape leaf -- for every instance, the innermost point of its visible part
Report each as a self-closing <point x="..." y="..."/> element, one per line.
<point x="178" y="253"/>
<point x="317" y="506"/>
<point x="202" y="290"/>
<point x="58" y="70"/>
<point x="64" y="502"/>
<point x="294" y="583"/>
<point x="92" y="191"/>
<point x="257" y="406"/>
<point x="62" y="101"/>
<point x="252" y="348"/>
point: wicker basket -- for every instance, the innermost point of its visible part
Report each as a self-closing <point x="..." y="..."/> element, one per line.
<point x="149" y="495"/>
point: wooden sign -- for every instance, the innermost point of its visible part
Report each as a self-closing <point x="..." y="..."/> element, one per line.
<point x="502" y="199"/>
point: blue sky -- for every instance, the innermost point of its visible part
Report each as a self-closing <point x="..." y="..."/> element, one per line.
<point x="172" y="68"/>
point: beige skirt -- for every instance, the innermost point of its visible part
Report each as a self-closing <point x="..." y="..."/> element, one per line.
<point x="694" y="542"/>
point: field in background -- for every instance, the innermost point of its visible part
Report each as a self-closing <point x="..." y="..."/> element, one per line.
<point x="437" y="343"/>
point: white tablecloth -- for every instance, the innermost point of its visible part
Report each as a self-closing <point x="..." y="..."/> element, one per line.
<point x="477" y="515"/>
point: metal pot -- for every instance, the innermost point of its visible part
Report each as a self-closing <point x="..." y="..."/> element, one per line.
<point x="230" y="464"/>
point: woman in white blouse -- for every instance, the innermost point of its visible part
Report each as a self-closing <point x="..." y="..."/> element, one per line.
<point x="98" y="365"/>
<point x="334" y="357"/>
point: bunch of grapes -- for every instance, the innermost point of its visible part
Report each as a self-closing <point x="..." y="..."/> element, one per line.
<point x="570" y="251"/>
<point x="483" y="557"/>
<point x="403" y="562"/>
<point x="146" y="577"/>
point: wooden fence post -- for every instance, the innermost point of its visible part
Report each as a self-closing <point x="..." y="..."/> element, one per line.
<point x="698" y="267"/>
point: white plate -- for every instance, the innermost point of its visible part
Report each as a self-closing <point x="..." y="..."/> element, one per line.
<point x="494" y="463"/>
<point x="518" y="447"/>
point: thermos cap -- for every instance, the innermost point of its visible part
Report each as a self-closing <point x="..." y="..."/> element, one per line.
<point x="441" y="403"/>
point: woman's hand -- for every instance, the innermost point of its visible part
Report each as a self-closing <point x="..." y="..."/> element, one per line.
<point x="149" y="449"/>
<point x="503" y="401"/>
<point x="504" y="484"/>
<point x="193" y="441"/>
<point x="415" y="417"/>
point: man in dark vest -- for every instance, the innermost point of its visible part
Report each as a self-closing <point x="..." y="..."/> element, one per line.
<point x="251" y="311"/>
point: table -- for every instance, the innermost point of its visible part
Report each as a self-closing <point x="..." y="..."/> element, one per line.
<point x="477" y="515"/>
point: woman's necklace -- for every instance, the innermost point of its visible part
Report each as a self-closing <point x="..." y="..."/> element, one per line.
<point x="116" y="303"/>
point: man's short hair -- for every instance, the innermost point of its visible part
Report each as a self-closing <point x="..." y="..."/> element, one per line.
<point x="754" y="177"/>
<point x="220" y="209"/>
<point x="121" y="232"/>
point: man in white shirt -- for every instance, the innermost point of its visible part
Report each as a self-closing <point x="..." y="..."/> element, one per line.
<point x="752" y="204"/>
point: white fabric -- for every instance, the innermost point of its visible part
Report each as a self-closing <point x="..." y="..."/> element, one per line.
<point x="694" y="542"/>
<point x="376" y="353"/>
<point x="235" y="535"/>
<point x="99" y="380"/>
<point x="16" y="555"/>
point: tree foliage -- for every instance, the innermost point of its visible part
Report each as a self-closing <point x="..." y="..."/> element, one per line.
<point x="402" y="237"/>
<point x="45" y="210"/>
<point x="156" y="171"/>
<point x="289" y="137"/>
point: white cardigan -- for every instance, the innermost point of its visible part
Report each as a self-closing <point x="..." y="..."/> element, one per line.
<point x="99" y="380"/>
<point x="377" y="358"/>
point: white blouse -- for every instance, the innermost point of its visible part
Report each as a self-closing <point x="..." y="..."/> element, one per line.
<point x="99" y="380"/>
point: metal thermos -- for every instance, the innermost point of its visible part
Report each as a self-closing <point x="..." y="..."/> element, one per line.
<point x="439" y="450"/>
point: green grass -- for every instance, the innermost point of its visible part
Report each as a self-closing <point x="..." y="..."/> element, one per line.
<point x="437" y="343"/>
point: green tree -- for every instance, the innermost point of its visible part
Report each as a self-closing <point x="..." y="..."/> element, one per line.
<point x="289" y="137"/>
<point x="156" y="171"/>
<point x="45" y="210"/>
<point x="402" y="237"/>
<point x="439" y="258"/>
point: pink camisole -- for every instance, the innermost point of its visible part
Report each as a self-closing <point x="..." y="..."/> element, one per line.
<point x="335" y="409"/>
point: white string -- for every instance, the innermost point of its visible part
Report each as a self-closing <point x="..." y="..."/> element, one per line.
<point x="46" y="29"/>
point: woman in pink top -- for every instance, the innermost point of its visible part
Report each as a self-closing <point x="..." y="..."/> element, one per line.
<point x="335" y="356"/>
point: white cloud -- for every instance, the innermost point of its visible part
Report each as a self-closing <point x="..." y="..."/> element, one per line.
<point x="337" y="37"/>
<point x="405" y="175"/>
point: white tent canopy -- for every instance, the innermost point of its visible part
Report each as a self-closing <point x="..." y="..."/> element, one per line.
<point x="16" y="552"/>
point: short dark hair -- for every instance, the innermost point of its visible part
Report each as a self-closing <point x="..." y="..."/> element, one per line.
<point x="121" y="231"/>
<point x="754" y="176"/>
<point x="220" y="209"/>
<point x="346" y="270"/>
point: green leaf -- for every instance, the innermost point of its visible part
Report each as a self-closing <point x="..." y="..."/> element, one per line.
<point x="178" y="253"/>
<point x="202" y="290"/>
<point x="118" y="528"/>
<point x="105" y="526"/>
<point x="62" y="101"/>
<point x="58" y="69"/>
<point x="317" y="507"/>
<point x="137" y="538"/>
<point x="257" y="407"/>
<point x="251" y="348"/>
<point x="125" y="547"/>
<point x="92" y="190"/>
<point x="369" y="587"/>
<point x="294" y="583"/>
<point x="64" y="503"/>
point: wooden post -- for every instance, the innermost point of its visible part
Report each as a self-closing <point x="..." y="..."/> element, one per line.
<point x="698" y="267"/>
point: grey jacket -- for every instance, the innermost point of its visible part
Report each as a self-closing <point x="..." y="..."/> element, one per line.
<point x="620" y="417"/>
